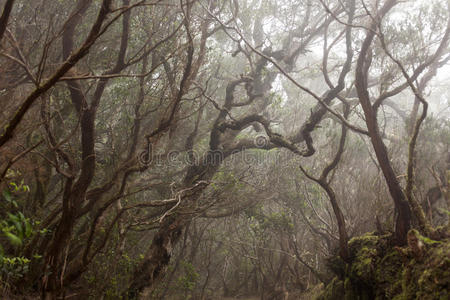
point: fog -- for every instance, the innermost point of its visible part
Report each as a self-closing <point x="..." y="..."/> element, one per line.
<point x="224" y="149"/>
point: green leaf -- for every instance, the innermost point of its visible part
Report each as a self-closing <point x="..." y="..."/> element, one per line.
<point x="14" y="239"/>
<point x="28" y="228"/>
<point x="17" y="224"/>
<point x="7" y="195"/>
<point x="14" y="185"/>
<point x="21" y="216"/>
<point x="13" y="218"/>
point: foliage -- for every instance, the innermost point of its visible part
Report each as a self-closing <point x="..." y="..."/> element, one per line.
<point x="381" y="271"/>
<point x="274" y="222"/>
<point x="188" y="280"/>
<point x="111" y="109"/>
<point x="16" y="231"/>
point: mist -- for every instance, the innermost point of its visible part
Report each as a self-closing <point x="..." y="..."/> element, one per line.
<point x="224" y="149"/>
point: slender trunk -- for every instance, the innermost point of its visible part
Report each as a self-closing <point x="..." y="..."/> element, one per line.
<point x="403" y="222"/>
<point x="5" y="16"/>
<point x="413" y="117"/>
<point x="343" y="237"/>
<point x="157" y="259"/>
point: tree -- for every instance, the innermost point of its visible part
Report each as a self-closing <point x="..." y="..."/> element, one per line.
<point x="133" y="122"/>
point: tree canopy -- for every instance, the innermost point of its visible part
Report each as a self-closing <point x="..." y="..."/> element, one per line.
<point x="206" y="148"/>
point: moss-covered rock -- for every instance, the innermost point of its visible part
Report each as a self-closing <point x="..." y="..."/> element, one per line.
<point x="429" y="279"/>
<point x="379" y="271"/>
<point x="387" y="275"/>
<point x="333" y="291"/>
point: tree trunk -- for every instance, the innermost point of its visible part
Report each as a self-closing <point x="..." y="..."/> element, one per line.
<point x="157" y="258"/>
<point x="403" y="222"/>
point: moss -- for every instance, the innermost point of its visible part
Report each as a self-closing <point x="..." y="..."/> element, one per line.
<point x="379" y="271"/>
<point x="364" y="253"/>
<point x="337" y="266"/>
<point x="387" y="275"/>
<point x="428" y="241"/>
<point x="363" y="264"/>
<point x="369" y="240"/>
<point x="333" y="291"/>
<point x="350" y="293"/>
<point x="433" y="276"/>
